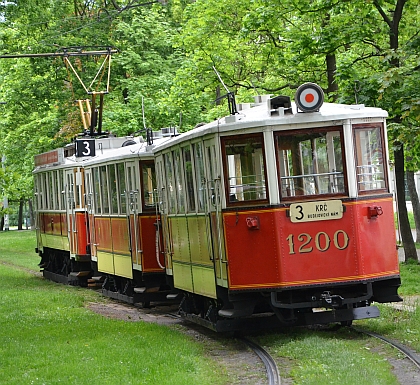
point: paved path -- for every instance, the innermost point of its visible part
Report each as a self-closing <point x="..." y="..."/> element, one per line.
<point x="401" y="254"/>
<point x="401" y="249"/>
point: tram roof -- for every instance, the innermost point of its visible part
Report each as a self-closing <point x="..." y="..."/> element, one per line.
<point x="260" y="115"/>
<point x="139" y="149"/>
<point x="107" y="150"/>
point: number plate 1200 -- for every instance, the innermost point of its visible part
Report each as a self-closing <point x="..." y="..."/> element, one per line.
<point x="316" y="211"/>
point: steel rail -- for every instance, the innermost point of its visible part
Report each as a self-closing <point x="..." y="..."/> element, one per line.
<point x="268" y="361"/>
<point x="270" y="364"/>
<point x="410" y="354"/>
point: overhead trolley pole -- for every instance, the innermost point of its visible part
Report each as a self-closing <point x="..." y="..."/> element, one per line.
<point x="93" y="116"/>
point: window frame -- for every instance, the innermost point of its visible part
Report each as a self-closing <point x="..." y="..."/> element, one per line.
<point x="170" y="181"/>
<point x="148" y="163"/>
<point x="189" y="179"/>
<point x="308" y="197"/>
<point x="251" y="202"/>
<point x="364" y="126"/>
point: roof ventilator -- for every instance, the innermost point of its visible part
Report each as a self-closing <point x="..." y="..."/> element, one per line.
<point x="279" y="106"/>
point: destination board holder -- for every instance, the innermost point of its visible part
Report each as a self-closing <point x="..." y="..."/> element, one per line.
<point x="316" y="211"/>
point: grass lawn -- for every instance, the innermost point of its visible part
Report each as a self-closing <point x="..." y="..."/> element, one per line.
<point x="335" y="356"/>
<point x="347" y="357"/>
<point x="48" y="336"/>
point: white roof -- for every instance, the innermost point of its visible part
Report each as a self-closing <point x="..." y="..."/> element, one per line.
<point x="138" y="150"/>
<point x="261" y="116"/>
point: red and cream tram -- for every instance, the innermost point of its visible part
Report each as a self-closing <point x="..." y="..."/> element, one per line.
<point x="62" y="222"/>
<point x="124" y="223"/>
<point x="97" y="218"/>
<point x="283" y="209"/>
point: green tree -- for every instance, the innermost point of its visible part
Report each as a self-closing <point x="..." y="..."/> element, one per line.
<point x="40" y="113"/>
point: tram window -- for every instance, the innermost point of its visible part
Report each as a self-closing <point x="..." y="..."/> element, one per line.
<point x="211" y="167"/>
<point x="70" y="191"/>
<point x="369" y="159"/>
<point x="97" y="191"/>
<point x="245" y="168"/>
<point x="56" y="191"/>
<point x="37" y="191"/>
<point x="149" y="185"/>
<point x="199" y="175"/>
<point x="104" y="189"/>
<point x="170" y="183"/>
<point x="310" y="162"/>
<point x="189" y="180"/>
<point x="113" y="188"/>
<point x="44" y="191"/>
<point x="77" y="186"/>
<point x="82" y="191"/>
<point x="179" y="181"/>
<point x="121" y="188"/>
<point x="49" y="191"/>
<point x="61" y="195"/>
<point x="51" y="183"/>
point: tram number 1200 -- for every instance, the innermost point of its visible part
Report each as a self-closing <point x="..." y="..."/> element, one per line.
<point x="305" y="243"/>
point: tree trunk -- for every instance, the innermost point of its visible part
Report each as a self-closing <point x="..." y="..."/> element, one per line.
<point x="331" y="63"/>
<point x="406" y="235"/>
<point x="331" y="71"/>
<point x="20" y="214"/>
<point x="218" y="102"/>
<point x="2" y="223"/>
<point x="414" y="201"/>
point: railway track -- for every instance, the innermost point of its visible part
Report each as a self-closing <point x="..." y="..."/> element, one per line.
<point x="269" y="363"/>
<point x="407" y="352"/>
<point x="271" y="368"/>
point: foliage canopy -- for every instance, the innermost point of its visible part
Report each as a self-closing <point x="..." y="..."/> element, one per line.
<point x="166" y="59"/>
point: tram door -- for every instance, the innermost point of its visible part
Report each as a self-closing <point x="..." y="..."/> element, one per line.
<point x="90" y="211"/>
<point x="132" y="210"/>
<point x="164" y="211"/>
<point x="214" y="208"/>
<point x="70" y="208"/>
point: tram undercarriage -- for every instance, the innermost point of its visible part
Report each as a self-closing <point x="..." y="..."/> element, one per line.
<point x="296" y="307"/>
<point x="57" y="266"/>
<point x="142" y="289"/>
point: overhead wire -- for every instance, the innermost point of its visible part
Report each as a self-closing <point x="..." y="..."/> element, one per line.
<point x="110" y="15"/>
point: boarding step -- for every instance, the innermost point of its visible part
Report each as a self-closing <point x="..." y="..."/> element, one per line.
<point x="99" y="278"/>
<point x="141" y="290"/>
<point x="79" y="274"/>
<point x="94" y="285"/>
<point x="95" y="282"/>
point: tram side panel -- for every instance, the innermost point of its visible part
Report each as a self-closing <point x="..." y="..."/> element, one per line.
<point x="112" y="246"/>
<point x="252" y="253"/>
<point x="192" y="263"/>
<point x="51" y="231"/>
<point x="103" y="238"/>
<point x="120" y="247"/>
<point x="277" y="253"/>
